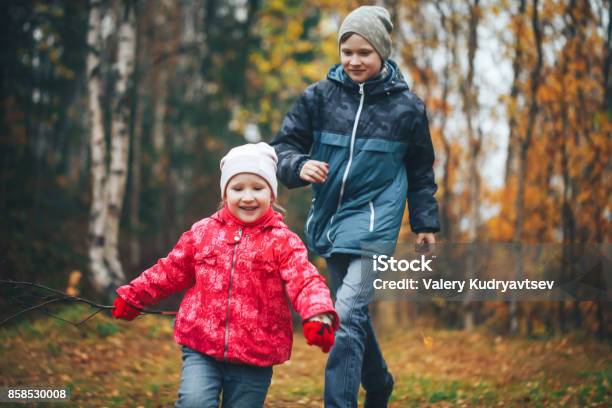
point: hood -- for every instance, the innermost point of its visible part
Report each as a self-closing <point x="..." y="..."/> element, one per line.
<point x="392" y="82"/>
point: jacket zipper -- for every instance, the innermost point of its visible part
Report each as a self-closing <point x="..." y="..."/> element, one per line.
<point x="351" y="150"/>
<point x="372" y="216"/>
<point x="311" y="215"/>
<point x="229" y="295"/>
<point x="348" y="166"/>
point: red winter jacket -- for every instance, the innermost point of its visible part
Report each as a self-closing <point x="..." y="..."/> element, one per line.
<point x="240" y="279"/>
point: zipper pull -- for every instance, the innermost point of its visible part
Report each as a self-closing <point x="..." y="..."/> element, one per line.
<point x="238" y="235"/>
<point x="361" y="88"/>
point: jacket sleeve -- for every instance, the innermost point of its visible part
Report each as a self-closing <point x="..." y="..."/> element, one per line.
<point x="305" y="287"/>
<point x="171" y="274"/>
<point x="422" y="205"/>
<point x="293" y="141"/>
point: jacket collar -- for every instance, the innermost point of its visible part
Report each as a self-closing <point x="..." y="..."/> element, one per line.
<point x="270" y="219"/>
<point x="392" y="81"/>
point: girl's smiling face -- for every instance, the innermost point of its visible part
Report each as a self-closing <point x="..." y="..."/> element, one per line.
<point x="359" y="59"/>
<point x="248" y="197"/>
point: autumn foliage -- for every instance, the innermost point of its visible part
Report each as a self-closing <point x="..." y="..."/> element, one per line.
<point x="518" y="96"/>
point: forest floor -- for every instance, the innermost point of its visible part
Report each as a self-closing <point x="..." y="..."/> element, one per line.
<point x="110" y="363"/>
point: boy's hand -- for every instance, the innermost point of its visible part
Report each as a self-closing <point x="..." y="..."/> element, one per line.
<point x="123" y="310"/>
<point x="425" y="238"/>
<point x="319" y="334"/>
<point x="314" y="171"/>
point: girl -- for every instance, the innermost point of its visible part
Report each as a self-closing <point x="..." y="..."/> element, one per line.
<point x="362" y="139"/>
<point x="239" y="266"/>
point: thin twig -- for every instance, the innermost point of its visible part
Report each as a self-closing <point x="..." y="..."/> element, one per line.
<point x="29" y="309"/>
<point x="63" y="297"/>
<point x="43" y="311"/>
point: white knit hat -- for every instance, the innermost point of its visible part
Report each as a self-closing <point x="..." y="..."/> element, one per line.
<point x="252" y="158"/>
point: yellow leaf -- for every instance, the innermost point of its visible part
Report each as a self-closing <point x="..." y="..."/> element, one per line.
<point x="428" y="341"/>
<point x="73" y="283"/>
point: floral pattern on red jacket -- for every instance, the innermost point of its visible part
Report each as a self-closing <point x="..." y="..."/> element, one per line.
<point x="240" y="281"/>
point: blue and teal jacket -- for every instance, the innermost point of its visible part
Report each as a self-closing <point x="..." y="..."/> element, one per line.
<point x="375" y="138"/>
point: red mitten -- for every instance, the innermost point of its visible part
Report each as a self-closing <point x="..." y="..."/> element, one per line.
<point x="319" y="334"/>
<point x="123" y="310"/>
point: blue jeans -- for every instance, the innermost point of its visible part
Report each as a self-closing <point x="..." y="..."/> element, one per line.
<point x="204" y="378"/>
<point x="355" y="357"/>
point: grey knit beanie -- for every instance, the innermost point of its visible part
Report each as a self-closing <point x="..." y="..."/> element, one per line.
<point x="372" y="23"/>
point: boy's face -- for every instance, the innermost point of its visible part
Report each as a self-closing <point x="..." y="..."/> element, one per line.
<point x="248" y="196"/>
<point x="359" y="59"/>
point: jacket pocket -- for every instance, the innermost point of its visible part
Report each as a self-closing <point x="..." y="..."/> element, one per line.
<point x="375" y="165"/>
<point x="203" y="259"/>
<point x="263" y="266"/>
<point x="330" y="148"/>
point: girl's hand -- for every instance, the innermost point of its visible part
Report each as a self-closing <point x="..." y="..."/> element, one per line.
<point x="123" y="310"/>
<point x="314" y="171"/>
<point x="319" y="334"/>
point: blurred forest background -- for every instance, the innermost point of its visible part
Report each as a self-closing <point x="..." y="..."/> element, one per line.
<point x="115" y="115"/>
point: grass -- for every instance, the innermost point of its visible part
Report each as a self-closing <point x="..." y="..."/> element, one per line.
<point x="115" y="363"/>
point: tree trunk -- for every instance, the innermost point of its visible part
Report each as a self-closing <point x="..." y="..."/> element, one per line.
<point x="517" y="63"/>
<point x="607" y="100"/>
<point x="524" y="149"/>
<point x="602" y="307"/>
<point x="120" y="140"/>
<point x="108" y="181"/>
<point x="451" y="28"/>
<point x="161" y="80"/>
<point x="101" y="277"/>
<point x="470" y="106"/>
<point x="136" y="157"/>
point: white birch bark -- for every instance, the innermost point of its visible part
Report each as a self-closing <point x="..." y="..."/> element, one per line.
<point x="119" y="140"/>
<point x="100" y="276"/>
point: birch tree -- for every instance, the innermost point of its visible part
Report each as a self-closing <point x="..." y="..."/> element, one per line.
<point x="108" y="181"/>
<point x="100" y="275"/>
<point x="120" y="137"/>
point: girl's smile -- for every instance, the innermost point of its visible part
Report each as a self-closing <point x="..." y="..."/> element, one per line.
<point x="248" y="197"/>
